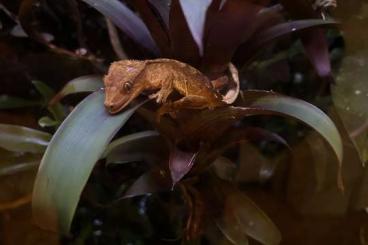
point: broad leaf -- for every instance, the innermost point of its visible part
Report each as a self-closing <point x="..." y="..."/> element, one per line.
<point x="272" y="33"/>
<point x="67" y="164"/>
<point x="156" y="180"/>
<point x="316" y="49"/>
<point x="195" y="14"/>
<point x="180" y="163"/>
<point x="145" y="146"/>
<point x="183" y="44"/>
<point x="231" y="229"/>
<point x="251" y="220"/>
<point x="82" y="84"/>
<point x="158" y="33"/>
<point x="22" y="139"/>
<point x="226" y="28"/>
<point x="57" y="110"/>
<point x="163" y="8"/>
<point x="308" y="114"/>
<point x="126" y="20"/>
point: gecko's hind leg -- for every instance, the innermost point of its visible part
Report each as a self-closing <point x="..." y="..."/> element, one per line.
<point x="187" y="102"/>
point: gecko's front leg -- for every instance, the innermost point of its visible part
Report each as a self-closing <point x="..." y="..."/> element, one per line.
<point x="165" y="91"/>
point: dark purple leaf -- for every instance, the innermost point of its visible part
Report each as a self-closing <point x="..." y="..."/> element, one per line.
<point x="299" y="9"/>
<point x="314" y="41"/>
<point x="180" y="163"/>
<point x="126" y="20"/>
<point x="316" y="48"/>
<point x="195" y="15"/>
<point x="257" y="41"/>
<point x="163" y="8"/>
<point x="226" y="28"/>
<point x="26" y="19"/>
<point x="157" y="31"/>
<point x="184" y="46"/>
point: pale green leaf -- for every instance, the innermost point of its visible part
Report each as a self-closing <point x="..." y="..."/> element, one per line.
<point x="142" y="146"/>
<point x="22" y="139"/>
<point x="67" y="164"/>
<point x="90" y="83"/>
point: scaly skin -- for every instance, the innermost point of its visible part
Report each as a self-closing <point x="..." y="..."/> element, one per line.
<point x="127" y="79"/>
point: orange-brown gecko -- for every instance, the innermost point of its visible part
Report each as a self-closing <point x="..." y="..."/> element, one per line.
<point x="127" y="79"/>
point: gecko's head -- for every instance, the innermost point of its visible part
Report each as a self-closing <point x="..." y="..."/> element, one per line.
<point x="122" y="84"/>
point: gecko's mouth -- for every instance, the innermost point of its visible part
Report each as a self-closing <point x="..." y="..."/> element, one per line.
<point x="114" y="108"/>
<point x="113" y="105"/>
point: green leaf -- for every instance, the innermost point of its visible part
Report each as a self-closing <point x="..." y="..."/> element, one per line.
<point x="308" y="114"/>
<point x="251" y="220"/>
<point x="90" y="83"/>
<point x="46" y="92"/>
<point x="57" y="110"/>
<point x="47" y="122"/>
<point x="22" y="139"/>
<point x="229" y="227"/>
<point x="143" y="146"/>
<point x="67" y="164"/>
<point x="9" y="102"/>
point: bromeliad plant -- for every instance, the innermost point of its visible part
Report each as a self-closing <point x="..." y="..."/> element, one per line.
<point x="207" y="35"/>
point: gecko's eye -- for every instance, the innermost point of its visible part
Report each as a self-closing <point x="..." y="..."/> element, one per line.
<point x="127" y="86"/>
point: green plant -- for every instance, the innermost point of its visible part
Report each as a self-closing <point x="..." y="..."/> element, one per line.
<point x="208" y="35"/>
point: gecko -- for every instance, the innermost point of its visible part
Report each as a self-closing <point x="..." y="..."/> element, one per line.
<point x="127" y="79"/>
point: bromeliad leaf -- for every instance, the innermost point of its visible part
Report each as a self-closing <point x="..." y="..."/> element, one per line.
<point x="145" y="146"/>
<point x="272" y="33"/>
<point x="305" y="112"/>
<point x="183" y="44"/>
<point x="158" y="32"/>
<point x="163" y="8"/>
<point x="251" y="220"/>
<point x="10" y="102"/>
<point x="126" y="20"/>
<point x="57" y="110"/>
<point x="180" y="163"/>
<point x="73" y="151"/>
<point x="308" y="114"/>
<point x="155" y="180"/>
<point x="226" y="28"/>
<point x="82" y="84"/>
<point x="22" y="139"/>
<point x="195" y="14"/>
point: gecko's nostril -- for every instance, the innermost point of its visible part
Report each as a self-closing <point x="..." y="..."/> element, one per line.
<point x="109" y="106"/>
